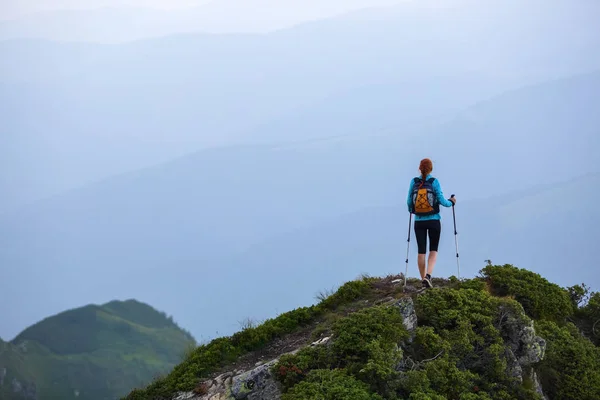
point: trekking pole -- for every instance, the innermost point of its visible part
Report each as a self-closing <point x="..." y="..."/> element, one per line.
<point x="407" y="248"/>
<point x="455" y="237"/>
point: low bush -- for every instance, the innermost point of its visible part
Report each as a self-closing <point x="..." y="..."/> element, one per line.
<point x="325" y="384"/>
<point x="571" y="367"/>
<point x="540" y="298"/>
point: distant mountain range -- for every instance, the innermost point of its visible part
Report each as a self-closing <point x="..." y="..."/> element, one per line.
<point x="222" y="223"/>
<point x="73" y="113"/>
<point x="92" y="352"/>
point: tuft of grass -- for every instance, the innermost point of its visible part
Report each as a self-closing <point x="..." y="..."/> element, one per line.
<point x="247" y="323"/>
<point x="324" y="294"/>
<point x="187" y="352"/>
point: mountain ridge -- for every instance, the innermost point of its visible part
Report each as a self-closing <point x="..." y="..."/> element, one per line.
<point x="466" y="112"/>
<point x="188" y="215"/>
<point x="138" y="93"/>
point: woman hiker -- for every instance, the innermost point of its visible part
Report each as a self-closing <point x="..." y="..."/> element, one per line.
<point x="424" y="198"/>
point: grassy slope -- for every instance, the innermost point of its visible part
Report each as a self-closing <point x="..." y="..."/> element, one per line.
<point x="99" y="351"/>
<point x="458" y="350"/>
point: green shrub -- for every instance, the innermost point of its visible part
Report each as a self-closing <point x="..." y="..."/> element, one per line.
<point x="571" y="367"/>
<point x="475" y="284"/>
<point x="292" y="368"/>
<point x="474" y="396"/>
<point x="459" y="330"/>
<point x="365" y="344"/>
<point x="356" y="334"/>
<point x="426" y="396"/>
<point x="540" y="298"/>
<point x="437" y="379"/>
<point x="587" y="318"/>
<point x="428" y="344"/>
<point x="325" y="384"/>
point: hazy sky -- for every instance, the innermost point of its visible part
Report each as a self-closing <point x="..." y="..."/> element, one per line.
<point x="117" y="21"/>
<point x="14" y="8"/>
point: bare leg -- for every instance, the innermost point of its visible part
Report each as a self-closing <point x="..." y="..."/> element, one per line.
<point x="421" y="262"/>
<point x="430" y="262"/>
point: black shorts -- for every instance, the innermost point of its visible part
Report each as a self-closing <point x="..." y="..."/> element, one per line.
<point x="422" y="229"/>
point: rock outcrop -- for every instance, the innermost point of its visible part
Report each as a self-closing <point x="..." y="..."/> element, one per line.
<point x="523" y="347"/>
<point x="255" y="384"/>
<point x="407" y="310"/>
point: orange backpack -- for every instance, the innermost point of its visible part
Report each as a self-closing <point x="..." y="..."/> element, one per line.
<point x="424" y="198"/>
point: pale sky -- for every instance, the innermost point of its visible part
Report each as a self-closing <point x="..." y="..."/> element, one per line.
<point x="10" y="9"/>
<point x="116" y="21"/>
<point x="14" y="8"/>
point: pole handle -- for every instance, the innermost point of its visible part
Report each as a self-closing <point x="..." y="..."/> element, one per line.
<point x="453" y="216"/>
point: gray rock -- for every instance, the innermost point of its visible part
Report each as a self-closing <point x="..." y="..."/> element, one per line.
<point x="538" y="385"/>
<point x="222" y="379"/>
<point x="187" y="396"/>
<point x="2" y="376"/>
<point x="513" y="368"/>
<point x="409" y="316"/>
<point x="256" y="384"/>
<point x="524" y="347"/>
<point x="321" y="341"/>
<point x="533" y="351"/>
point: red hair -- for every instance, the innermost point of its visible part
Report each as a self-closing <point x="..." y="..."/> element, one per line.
<point x="426" y="166"/>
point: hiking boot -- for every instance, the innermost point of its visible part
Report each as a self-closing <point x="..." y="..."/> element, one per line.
<point x="427" y="282"/>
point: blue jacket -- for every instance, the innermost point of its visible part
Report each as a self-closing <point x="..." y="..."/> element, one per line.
<point x="440" y="196"/>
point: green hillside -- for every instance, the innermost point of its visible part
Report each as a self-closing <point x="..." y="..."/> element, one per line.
<point x="507" y="334"/>
<point x="92" y="352"/>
